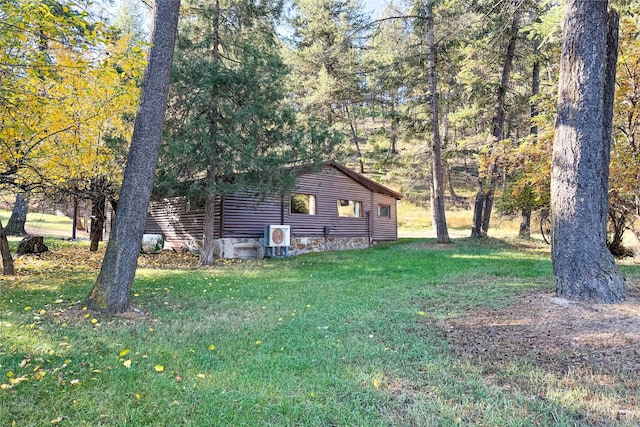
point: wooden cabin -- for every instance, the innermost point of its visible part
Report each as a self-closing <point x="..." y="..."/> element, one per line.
<point x="330" y="209"/>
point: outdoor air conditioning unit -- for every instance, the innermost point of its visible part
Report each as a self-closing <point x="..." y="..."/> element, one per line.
<point x="277" y="236"/>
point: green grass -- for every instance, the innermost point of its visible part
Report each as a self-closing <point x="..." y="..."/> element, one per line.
<point x="337" y="338"/>
<point x="54" y="224"/>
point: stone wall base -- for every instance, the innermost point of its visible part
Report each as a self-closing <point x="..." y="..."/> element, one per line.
<point x="301" y="245"/>
<point x="251" y="248"/>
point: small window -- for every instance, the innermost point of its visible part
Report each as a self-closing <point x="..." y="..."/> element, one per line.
<point x="303" y="204"/>
<point x="384" y="211"/>
<point x="349" y="208"/>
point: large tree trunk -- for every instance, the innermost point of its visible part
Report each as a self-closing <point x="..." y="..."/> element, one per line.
<point x="7" y="260"/>
<point x="15" y="225"/>
<point x="582" y="265"/>
<point x="437" y="187"/>
<point x="486" y="186"/>
<point x="111" y="291"/>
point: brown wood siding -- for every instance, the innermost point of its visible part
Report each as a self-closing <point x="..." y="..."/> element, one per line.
<point x="385" y="228"/>
<point x="328" y="186"/>
<point x="173" y="218"/>
<point x="246" y="216"/>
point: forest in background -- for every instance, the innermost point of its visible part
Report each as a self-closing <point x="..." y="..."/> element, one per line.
<point x="258" y="85"/>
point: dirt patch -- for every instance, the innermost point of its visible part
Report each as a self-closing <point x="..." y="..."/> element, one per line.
<point x="593" y="347"/>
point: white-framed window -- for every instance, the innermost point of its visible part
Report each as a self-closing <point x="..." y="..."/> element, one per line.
<point x="304" y="204"/>
<point x="349" y="208"/>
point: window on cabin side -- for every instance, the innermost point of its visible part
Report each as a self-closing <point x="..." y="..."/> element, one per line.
<point x="303" y="204"/>
<point x="349" y="208"/>
<point x="384" y="211"/>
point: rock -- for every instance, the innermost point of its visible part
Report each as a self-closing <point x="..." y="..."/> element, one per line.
<point x="152" y="243"/>
<point x="32" y="245"/>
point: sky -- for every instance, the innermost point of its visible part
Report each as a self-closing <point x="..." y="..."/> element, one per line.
<point x="374" y="6"/>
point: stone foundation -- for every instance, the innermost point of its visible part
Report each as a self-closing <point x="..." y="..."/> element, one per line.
<point x="301" y="245"/>
<point x="251" y="248"/>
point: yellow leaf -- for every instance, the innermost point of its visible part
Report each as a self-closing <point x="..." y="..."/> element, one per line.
<point x="159" y="368"/>
<point x="56" y="420"/>
<point x="212" y="347"/>
<point x="421" y="313"/>
<point x="42" y="311"/>
<point x="138" y="396"/>
<point x="27" y="308"/>
<point x="127" y="363"/>
<point x="201" y="376"/>
<point x="124" y="352"/>
<point x="58" y="301"/>
<point x="86" y="316"/>
<point x="258" y="342"/>
<point x="94" y="320"/>
<point x="5" y="386"/>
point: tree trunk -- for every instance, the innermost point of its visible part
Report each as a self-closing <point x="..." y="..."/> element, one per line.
<point x="206" y="254"/>
<point x="485" y="188"/>
<point x="98" y="204"/>
<point x="525" y="224"/>
<point x="111" y="291"/>
<point x="74" y="227"/>
<point x="7" y="260"/>
<point x="15" y="226"/>
<point x="437" y="192"/>
<point x="354" y="136"/>
<point x="582" y="265"/>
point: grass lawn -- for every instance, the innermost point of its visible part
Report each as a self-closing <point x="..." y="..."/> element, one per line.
<point x="350" y="338"/>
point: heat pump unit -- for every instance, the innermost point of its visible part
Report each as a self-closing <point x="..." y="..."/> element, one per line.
<point x="277" y="236"/>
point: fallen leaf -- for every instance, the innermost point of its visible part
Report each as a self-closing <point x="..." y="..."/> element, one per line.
<point x="212" y="347"/>
<point x="201" y="376"/>
<point x="127" y="363"/>
<point x="124" y="352"/>
<point x="159" y="368"/>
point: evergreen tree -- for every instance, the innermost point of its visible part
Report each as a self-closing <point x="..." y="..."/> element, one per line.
<point x="228" y="121"/>
<point x="325" y="56"/>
